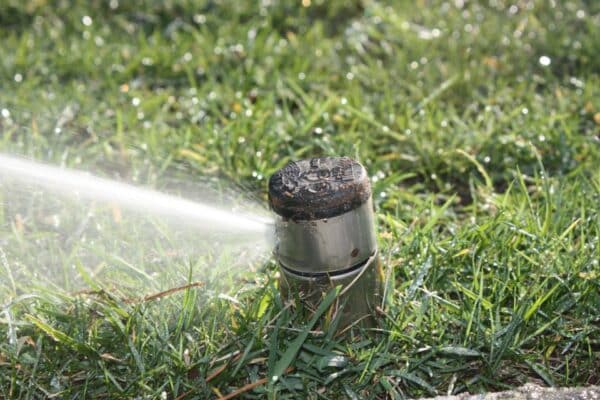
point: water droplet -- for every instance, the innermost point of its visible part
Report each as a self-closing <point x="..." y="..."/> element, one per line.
<point x="545" y="61"/>
<point x="576" y="82"/>
<point x="378" y="176"/>
<point x="86" y="20"/>
<point x="487" y="159"/>
<point x="237" y="48"/>
<point x="199" y="19"/>
<point x="55" y="383"/>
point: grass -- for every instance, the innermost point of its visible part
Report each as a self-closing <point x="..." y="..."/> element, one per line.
<point x="485" y="174"/>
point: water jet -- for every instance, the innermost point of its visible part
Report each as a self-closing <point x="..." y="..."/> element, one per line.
<point x="325" y="236"/>
<point x="69" y="229"/>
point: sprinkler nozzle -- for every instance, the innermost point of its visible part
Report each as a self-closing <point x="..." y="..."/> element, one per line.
<point x="325" y="234"/>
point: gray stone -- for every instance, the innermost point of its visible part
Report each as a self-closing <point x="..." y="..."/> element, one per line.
<point x="533" y="392"/>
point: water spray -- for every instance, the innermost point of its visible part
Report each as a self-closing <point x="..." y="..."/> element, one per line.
<point x="85" y="185"/>
<point x="325" y="236"/>
<point x="58" y="222"/>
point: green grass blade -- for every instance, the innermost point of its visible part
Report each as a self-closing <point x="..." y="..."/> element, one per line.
<point x="294" y="347"/>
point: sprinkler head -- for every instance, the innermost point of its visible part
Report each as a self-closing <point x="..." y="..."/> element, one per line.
<point x="325" y="235"/>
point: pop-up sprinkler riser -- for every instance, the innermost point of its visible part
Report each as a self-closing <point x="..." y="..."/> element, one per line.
<point x="325" y="235"/>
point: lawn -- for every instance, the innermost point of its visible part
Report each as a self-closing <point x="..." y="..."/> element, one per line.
<point x="479" y="123"/>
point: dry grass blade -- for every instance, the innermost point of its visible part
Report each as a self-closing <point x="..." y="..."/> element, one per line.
<point x="169" y="292"/>
<point x="250" y="386"/>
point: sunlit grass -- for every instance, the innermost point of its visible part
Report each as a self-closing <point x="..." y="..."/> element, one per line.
<point x="483" y="155"/>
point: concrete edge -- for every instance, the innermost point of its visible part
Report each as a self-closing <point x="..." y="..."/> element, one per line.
<point x="532" y="392"/>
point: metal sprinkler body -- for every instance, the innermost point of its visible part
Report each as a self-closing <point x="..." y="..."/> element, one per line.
<point x="325" y="236"/>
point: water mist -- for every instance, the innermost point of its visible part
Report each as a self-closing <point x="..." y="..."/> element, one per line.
<point x="61" y="228"/>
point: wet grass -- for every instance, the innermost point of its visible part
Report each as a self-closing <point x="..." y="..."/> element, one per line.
<point x="479" y="123"/>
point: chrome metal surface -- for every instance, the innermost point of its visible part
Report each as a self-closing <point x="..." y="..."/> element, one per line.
<point x="327" y="245"/>
<point x="359" y="296"/>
